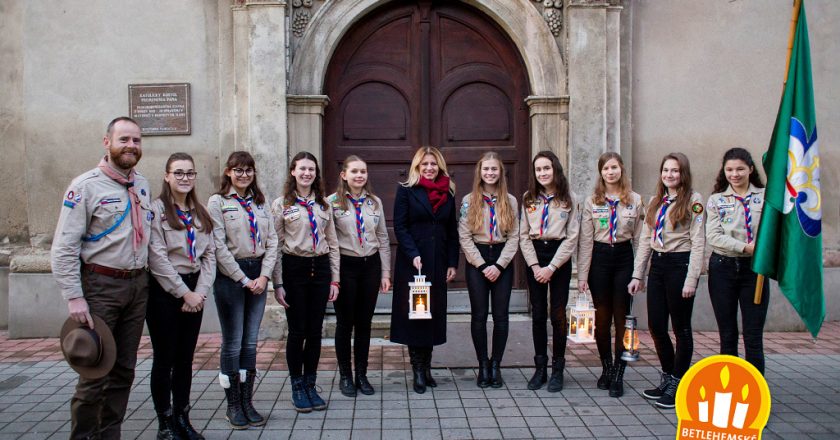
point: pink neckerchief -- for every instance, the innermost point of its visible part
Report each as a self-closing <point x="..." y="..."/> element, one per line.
<point x="136" y="211"/>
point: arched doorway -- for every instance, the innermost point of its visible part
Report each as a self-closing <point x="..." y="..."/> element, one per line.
<point x="426" y="73"/>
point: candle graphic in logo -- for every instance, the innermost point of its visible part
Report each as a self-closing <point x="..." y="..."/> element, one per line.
<point x="703" y="406"/>
<point x="723" y="401"/>
<point x="741" y="408"/>
<point x="722" y="397"/>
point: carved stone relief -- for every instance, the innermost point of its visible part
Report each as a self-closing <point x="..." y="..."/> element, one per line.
<point x="553" y="15"/>
<point x="301" y="14"/>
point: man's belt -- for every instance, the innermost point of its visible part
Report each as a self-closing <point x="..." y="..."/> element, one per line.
<point x="114" y="273"/>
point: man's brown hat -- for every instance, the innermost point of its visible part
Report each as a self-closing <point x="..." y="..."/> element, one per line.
<point x="91" y="353"/>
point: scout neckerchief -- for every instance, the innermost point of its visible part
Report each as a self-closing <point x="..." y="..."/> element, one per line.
<point x="491" y="203"/>
<point x="187" y="219"/>
<point x="613" y="218"/>
<point x="544" y="223"/>
<point x="660" y="220"/>
<point x="313" y="225"/>
<point x="747" y="216"/>
<point x="360" y="219"/>
<point x="134" y="199"/>
<point x="252" y="221"/>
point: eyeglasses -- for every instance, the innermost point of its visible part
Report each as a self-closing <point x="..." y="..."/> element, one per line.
<point x="190" y="175"/>
<point x="239" y="172"/>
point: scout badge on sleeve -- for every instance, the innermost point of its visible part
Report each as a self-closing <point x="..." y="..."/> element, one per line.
<point x="419" y="293"/>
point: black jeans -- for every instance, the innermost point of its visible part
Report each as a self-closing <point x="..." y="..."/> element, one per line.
<point x="732" y="282"/>
<point x="240" y="315"/>
<point x="307" y="284"/>
<point x="174" y="334"/>
<point x="360" y="280"/>
<point x="558" y="291"/>
<point x="664" y="300"/>
<point x="611" y="272"/>
<point x="482" y="293"/>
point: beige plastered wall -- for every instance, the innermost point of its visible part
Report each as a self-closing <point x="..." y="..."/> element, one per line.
<point x="66" y="67"/>
<point x="708" y="76"/>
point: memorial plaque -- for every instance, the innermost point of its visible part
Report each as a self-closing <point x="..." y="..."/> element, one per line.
<point x="160" y="109"/>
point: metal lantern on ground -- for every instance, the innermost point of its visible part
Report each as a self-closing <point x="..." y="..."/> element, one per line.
<point x="581" y="317"/>
<point x="631" y="338"/>
<point x="419" y="291"/>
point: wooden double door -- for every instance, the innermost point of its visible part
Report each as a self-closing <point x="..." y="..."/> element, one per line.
<point x="437" y="73"/>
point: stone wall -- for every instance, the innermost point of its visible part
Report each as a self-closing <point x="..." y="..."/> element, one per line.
<point x="69" y="66"/>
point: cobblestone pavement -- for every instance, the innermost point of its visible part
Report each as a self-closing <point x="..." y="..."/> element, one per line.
<point x="36" y="386"/>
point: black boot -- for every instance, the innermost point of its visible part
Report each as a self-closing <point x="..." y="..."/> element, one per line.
<point x="483" y="378"/>
<point x="183" y="426"/>
<point x="496" y="374"/>
<point x="555" y="382"/>
<point x="417" y="370"/>
<point x="247" y="387"/>
<point x="166" y="427"/>
<point x="345" y="379"/>
<point x="427" y="367"/>
<point x="617" y="384"/>
<point x="668" y="396"/>
<point x="540" y="373"/>
<point x="233" y="394"/>
<point x="606" y="372"/>
<point x="362" y="382"/>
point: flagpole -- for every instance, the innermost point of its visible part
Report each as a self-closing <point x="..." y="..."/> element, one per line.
<point x="759" y="282"/>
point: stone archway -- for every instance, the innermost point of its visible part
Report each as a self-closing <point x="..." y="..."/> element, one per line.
<point x="525" y="26"/>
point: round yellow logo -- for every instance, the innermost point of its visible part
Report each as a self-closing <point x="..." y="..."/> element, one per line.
<point x="722" y="398"/>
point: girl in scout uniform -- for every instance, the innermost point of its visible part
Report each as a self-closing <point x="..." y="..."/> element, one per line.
<point x="246" y="250"/>
<point x="365" y="269"/>
<point x="611" y="220"/>
<point x="182" y="259"/>
<point x="488" y="233"/>
<point x="672" y="240"/>
<point x="548" y="235"/>
<point x="734" y="213"/>
<point x="306" y="277"/>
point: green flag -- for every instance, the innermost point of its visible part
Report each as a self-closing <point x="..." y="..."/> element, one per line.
<point x="789" y="245"/>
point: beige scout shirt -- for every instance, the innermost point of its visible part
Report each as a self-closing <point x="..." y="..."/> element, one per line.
<point x="685" y="237"/>
<point x="595" y="226"/>
<point x="375" y="237"/>
<point x="295" y="235"/>
<point x="726" y="229"/>
<point x="563" y="224"/>
<point x="169" y="255"/>
<point x="232" y="234"/>
<point x="93" y="203"/>
<point x="469" y="238"/>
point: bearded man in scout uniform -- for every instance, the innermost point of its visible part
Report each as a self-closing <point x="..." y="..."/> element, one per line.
<point x="99" y="259"/>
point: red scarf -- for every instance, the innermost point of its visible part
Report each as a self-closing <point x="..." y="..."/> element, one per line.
<point x="438" y="191"/>
<point x="136" y="211"/>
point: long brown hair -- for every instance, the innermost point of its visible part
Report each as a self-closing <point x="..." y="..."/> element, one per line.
<point x="414" y="170"/>
<point x="291" y="183"/>
<point x="241" y="159"/>
<point x="599" y="196"/>
<point x="205" y="222"/>
<point x="343" y="187"/>
<point x="743" y="155"/>
<point x="681" y="210"/>
<point x="506" y="218"/>
<point x="561" y="184"/>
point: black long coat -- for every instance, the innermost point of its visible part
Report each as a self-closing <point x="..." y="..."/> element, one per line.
<point x="433" y="237"/>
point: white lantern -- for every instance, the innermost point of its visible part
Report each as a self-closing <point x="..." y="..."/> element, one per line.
<point x="581" y="317"/>
<point x="419" y="291"/>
